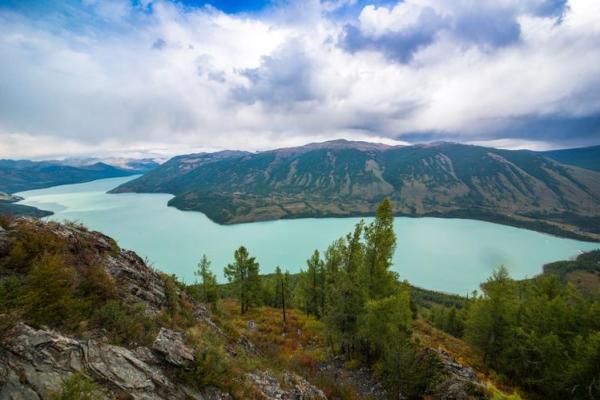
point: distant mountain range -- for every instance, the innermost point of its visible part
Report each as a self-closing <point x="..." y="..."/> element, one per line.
<point x="140" y="165"/>
<point x="20" y="175"/>
<point x="343" y="178"/>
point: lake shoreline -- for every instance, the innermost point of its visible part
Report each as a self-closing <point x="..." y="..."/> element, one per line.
<point x="440" y="253"/>
<point x="524" y="222"/>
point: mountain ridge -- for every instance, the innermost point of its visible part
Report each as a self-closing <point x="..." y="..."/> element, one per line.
<point x="343" y="178"/>
<point x="21" y="175"/>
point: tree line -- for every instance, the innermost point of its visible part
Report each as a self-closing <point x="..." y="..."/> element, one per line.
<point x="540" y="334"/>
<point x="351" y="288"/>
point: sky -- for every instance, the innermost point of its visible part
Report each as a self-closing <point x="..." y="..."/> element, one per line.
<point x="136" y="78"/>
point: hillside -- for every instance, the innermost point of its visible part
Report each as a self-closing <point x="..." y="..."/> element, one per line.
<point x="17" y="176"/>
<point x="80" y="316"/>
<point x="8" y="207"/>
<point x="585" y="157"/>
<point x="341" y="178"/>
<point x="583" y="272"/>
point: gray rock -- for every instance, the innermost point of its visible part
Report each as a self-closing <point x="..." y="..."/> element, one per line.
<point x="298" y="388"/>
<point x="455" y="381"/>
<point x="171" y="345"/>
<point x="35" y="362"/>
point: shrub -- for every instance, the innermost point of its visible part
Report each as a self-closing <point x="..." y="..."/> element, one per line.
<point x="125" y="325"/>
<point x="48" y="294"/>
<point x="211" y="364"/>
<point x="97" y="285"/>
<point x="77" y="387"/>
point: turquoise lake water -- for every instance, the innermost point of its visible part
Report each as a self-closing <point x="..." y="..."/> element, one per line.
<point x="451" y="255"/>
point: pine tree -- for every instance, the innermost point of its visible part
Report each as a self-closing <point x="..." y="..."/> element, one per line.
<point x="312" y="285"/>
<point x="244" y="275"/>
<point x="379" y="249"/>
<point x="208" y="281"/>
<point x="490" y="316"/>
<point x="282" y="291"/>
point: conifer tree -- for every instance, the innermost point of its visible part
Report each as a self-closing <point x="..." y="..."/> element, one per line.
<point x="208" y="289"/>
<point x="282" y="291"/>
<point x="379" y="248"/>
<point x="312" y="285"/>
<point x="244" y="275"/>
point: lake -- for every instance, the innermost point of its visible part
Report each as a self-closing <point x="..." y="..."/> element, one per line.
<point x="451" y="255"/>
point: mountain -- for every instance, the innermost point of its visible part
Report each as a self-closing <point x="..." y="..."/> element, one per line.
<point x="584" y="157"/>
<point x="141" y="165"/>
<point x="20" y="175"/>
<point x="8" y="206"/>
<point x="179" y="166"/>
<point x="342" y="178"/>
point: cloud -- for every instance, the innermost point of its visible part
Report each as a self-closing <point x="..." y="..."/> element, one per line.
<point x="398" y="41"/>
<point x="120" y="75"/>
<point x="282" y="78"/>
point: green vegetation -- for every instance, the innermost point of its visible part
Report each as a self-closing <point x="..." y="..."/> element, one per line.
<point x="9" y="208"/>
<point x="244" y="275"/>
<point x="585" y="157"/>
<point x="207" y="290"/>
<point x="366" y="310"/>
<point x="17" y="176"/>
<point x="340" y="178"/>
<point x="78" y="387"/>
<point x="540" y="334"/>
<point x="46" y="284"/>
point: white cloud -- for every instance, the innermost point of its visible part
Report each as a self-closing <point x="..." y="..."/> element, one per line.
<point x="178" y="79"/>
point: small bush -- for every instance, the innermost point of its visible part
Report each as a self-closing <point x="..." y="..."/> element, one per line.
<point x="48" y="294"/>
<point x="211" y="364"/>
<point x="125" y="325"/>
<point x="77" y="387"/>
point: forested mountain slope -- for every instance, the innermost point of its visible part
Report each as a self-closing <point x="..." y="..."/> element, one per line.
<point x="584" y="157"/>
<point x="342" y="178"/>
<point x="16" y="176"/>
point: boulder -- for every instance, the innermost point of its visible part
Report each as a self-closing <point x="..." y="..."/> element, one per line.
<point x="33" y="363"/>
<point x="454" y="381"/>
<point x="171" y="346"/>
<point x="296" y="387"/>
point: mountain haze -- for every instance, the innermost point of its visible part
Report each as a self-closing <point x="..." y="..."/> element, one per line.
<point x="342" y="178"/>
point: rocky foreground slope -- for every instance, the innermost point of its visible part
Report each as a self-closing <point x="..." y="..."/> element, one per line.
<point x="178" y="351"/>
<point x="342" y="178"/>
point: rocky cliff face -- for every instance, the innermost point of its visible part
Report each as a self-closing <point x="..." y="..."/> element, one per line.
<point x="34" y="362"/>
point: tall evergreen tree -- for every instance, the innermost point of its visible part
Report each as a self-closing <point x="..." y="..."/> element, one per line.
<point x="379" y="249"/>
<point x="312" y="285"/>
<point x="490" y="316"/>
<point x="244" y="275"/>
<point x="208" y="288"/>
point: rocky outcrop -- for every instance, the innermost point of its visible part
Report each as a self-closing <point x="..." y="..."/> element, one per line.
<point x="171" y="346"/>
<point x="33" y="363"/>
<point x="295" y="387"/>
<point x="454" y="381"/>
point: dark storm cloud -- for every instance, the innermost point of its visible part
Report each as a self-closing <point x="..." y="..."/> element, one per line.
<point x="282" y="78"/>
<point x="397" y="45"/>
<point x="485" y="24"/>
